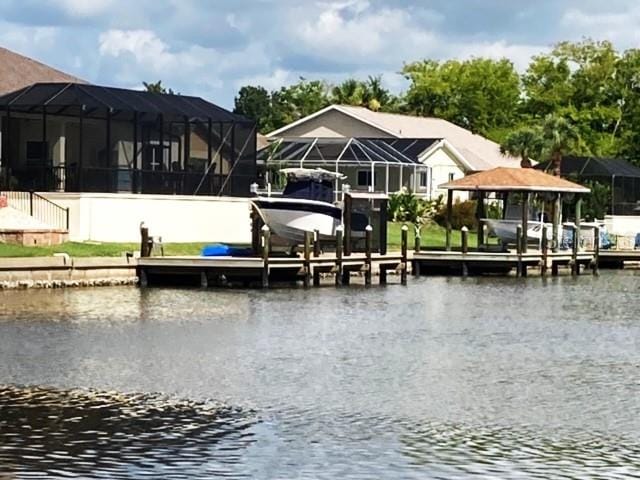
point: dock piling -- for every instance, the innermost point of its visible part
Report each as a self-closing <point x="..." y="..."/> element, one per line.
<point x="544" y="246"/>
<point x="307" y="259"/>
<point x="595" y="263"/>
<point x="144" y="241"/>
<point x="575" y="266"/>
<point x="316" y="254"/>
<point x="403" y="250"/>
<point x="266" y="242"/>
<point x="367" y="263"/>
<point x="464" y="239"/>
<point x="520" y="265"/>
<point x="339" y="255"/>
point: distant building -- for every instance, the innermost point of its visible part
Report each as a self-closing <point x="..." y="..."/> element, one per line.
<point x="450" y="151"/>
<point x="62" y="136"/>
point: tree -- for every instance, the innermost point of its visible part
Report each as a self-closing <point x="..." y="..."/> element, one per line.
<point x="479" y="94"/>
<point x="255" y="103"/>
<point x="157" y="87"/>
<point x="559" y="137"/>
<point x="349" y="92"/>
<point x="526" y="143"/>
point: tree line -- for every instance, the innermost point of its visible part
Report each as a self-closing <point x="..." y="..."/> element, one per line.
<point x="580" y="98"/>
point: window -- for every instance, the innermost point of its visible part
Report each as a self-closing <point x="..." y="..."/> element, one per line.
<point x="364" y="178"/>
<point x="423" y="180"/>
<point x="451" y="175"/>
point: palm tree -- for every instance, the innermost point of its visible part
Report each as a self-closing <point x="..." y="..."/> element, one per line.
<point x="559" y="137"/>
<point x="349" y="92"/>
<point x="375" y="95"/>
<point x="526" y="143"/>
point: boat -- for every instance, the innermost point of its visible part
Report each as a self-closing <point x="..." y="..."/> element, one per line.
<point x="506" y="230"/>
<point x="306" y="205"/>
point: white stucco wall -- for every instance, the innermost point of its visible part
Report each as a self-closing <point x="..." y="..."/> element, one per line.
<point x="108" y="217"/>
<point x="441" y="165"/>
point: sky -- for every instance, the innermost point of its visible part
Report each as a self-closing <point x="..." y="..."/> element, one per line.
<point x="210" y="48"/>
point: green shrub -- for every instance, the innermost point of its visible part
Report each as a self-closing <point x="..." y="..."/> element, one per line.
<point x="405" y="206"/>
<point x="463" y="214"/>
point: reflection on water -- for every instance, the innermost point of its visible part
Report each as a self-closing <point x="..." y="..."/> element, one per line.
<point x="48" y="432"/>
<point x="446" y="378"/>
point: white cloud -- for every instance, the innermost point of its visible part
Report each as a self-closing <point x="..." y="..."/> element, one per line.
<point x="620" y="27"/>
<point x="271" y="81"/>
<point x="520" y="55"/>
<point x="354" y="32"/>
<point x="85" y="8"/>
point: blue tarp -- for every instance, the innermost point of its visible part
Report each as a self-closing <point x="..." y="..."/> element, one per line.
<point x="224" y="250"/>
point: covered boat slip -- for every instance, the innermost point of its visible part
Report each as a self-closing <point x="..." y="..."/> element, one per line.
<point x="369" y="164"/>
<point x="69" y="137"/>
<point x="526" y="183"/>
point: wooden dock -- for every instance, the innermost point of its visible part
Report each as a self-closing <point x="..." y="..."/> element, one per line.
<point x="487" y="262"/>
<point x="255" y="271"/>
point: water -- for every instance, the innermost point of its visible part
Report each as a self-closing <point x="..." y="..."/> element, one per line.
<point x="446" y="378"/>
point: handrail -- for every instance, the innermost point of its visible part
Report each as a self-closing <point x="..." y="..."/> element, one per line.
<point x="39" y="207"/>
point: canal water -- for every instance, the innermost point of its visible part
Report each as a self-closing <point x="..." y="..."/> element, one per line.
<point x="445" y="378"/>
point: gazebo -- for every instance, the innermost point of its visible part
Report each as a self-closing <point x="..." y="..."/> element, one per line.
<point x="522" y="181"/>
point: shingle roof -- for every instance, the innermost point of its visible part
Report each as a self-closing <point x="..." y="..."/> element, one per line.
<point x="479" y="152"/>
<point x="514" y="179"/>
<point x="18" y="71"/>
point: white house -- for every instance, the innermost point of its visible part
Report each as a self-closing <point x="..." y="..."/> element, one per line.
<point x="454" y="153"/>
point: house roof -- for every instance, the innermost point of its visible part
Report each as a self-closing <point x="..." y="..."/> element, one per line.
<point x="503" y="179"/>
<point x="96" y="100"/>
<point x="594" y="167"/>
<point x="18" y="71"/>
<point x="479" y="152"/>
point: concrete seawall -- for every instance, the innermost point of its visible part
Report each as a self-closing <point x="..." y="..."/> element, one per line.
<point x="64" y="271"/>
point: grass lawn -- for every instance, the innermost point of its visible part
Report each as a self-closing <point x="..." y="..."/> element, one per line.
<point x="431" y="236"/>
<point x="93" y="249"/>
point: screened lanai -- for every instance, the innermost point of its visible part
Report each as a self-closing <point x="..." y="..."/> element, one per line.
<point x="87" y="138"/>
<point x="621" y="177"/>
<point x="372" y="164"/>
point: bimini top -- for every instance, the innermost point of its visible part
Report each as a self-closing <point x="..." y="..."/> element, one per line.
<point x="315" y="174"/>
<point x="95" y="101"/>
<point x="503" y="179"/>
<point x="344" y="151"/>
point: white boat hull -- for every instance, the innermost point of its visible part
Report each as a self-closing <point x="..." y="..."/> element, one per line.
<point x="506" y="230"/>
<point x="289" y="219"/>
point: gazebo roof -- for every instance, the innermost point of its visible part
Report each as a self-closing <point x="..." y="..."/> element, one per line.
<point x="503" y="179"/>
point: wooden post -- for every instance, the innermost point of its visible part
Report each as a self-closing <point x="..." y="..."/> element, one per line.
<point x="266" y="242"/>
<point x="464" y="239"/>
<point x="519" y="272"/>
<point x="383" y="226"/>
<point x="346" y="220"/>
<point x="525" y="220"/>
<point x="416" y="240"/>
<point x="448" y="223"/>
<point x="144" y="241"/>
<point x="339" y="246"/>
<point x="204" y="281"/>
<point x="403" y="251"/>
<point x="144" y="280"/>
<point x="544" y="245"/>
<point x="578" y="215"/>
<point x="575" y="267"/>
<point x="596" y="250"/>
<point x="316" y="254"/>
<point x="368" y="231"/>
<point x="256" y="225"/>
<point x="479" y="216"/>
<point x="555" y="214"/>
<point x="307" y="258"/>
